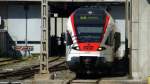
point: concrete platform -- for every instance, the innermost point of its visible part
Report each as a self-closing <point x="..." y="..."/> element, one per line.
<point x="122" y="82"/>
<point x="99" y="82"/>
<point x="42" y="77"/>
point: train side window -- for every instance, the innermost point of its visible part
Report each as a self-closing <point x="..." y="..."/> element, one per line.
<point x="69" y="39"/>
<point x="109" y="39"/>
<point x="117" y="38"/>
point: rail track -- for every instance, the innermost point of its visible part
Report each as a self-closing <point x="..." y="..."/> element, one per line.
<point x="4" y="60"/>
<point x="10" y="61"/>
<point x="29" y="72"/>
<point x="84" y="81"/>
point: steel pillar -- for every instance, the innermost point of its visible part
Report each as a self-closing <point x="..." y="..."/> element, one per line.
<point x="62" y="25"/>
<point x="135" y="40"/>
<point x="128" y="34"/>
<point x="127" y="22"/>
<point x="44" y="38"/>
<point x="26" y="8"/>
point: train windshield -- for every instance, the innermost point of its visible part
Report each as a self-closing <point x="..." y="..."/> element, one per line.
<point x="89" y="27"/>
<point x="89" y="34"/>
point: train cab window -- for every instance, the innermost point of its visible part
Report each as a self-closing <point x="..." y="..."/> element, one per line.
<point x="89" y="27"/>
<point x="89" y="34"/>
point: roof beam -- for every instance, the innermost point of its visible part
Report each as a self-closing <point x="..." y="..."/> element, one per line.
<point x="70" y="0"/>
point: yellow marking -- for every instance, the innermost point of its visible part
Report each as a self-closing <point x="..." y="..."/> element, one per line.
<point x="149" y="80"/>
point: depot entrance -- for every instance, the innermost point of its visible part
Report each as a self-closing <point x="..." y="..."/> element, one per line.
<point x="59" y="13"/>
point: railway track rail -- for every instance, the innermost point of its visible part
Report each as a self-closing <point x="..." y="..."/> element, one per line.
<point x="9" y="61"/>
<point x="84" y="82"/>
<point x="29" y="72"/>
<point x="4" y="60"/>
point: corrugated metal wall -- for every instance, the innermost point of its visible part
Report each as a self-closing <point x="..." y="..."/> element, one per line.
<point x="3" y="42"/>
<point x="59" y="26"/>
<point x="17" y="24"/>
<point x="3" y="14"/>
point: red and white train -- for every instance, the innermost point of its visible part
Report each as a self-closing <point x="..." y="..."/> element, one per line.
<point x="92" y="40"/>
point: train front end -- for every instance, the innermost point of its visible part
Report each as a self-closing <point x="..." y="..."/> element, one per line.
<point x="86" y="37"/>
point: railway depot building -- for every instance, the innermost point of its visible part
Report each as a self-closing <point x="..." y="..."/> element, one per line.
<point x="21" y="24"/>
<point x="21" y="19"/>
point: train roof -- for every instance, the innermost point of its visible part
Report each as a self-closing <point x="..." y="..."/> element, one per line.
<point x="90" y="10"/>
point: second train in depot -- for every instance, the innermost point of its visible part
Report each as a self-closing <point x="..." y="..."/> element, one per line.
<point x="92" y="40"/>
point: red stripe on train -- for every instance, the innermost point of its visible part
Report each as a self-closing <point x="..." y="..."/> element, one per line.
<point x="105" y="26"/>
<point x="89" y="46"/>
<point x="106" y="23"/>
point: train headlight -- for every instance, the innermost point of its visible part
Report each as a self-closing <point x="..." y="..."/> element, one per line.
<point x="101" y="48"/>
<point x="77" y="48"/>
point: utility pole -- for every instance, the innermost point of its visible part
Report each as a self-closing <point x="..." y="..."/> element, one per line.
<point x="26" y="8"/>
<point x="44" y="39"/>
<point x="44" y="68"/>
<point x="44" y="73"/>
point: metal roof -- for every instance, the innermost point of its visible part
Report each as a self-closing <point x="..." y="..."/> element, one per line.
<point x="72" y="0"/>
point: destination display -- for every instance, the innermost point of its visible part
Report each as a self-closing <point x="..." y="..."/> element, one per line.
<point x="91" y="20"/>
<point x="89" y="17"/>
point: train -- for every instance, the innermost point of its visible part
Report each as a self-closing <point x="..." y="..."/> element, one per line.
<point x="92" y="41"/>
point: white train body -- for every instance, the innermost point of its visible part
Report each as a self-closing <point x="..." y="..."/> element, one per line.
<point x="92" y="40"/>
